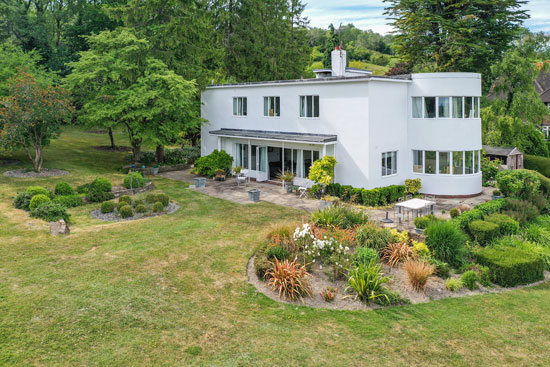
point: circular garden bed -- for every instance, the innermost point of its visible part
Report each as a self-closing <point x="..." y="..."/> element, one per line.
<point x="132" y="208"/>
<point x="45" y="172"/>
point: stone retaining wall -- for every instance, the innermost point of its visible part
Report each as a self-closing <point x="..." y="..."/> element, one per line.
<point x="148" y="187"/>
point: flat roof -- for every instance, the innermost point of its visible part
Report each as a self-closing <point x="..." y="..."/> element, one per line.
<point x="277" y="135"/>
<point x="332" y="79"/>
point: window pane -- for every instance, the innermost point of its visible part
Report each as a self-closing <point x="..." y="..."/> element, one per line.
<point x="468" y="107"/>
<point x="288" y="160"/>
<point x="443" y="107"/>
<point x="476" y="107"/>
<point x="235" y="106"/>
<point x="302" y="106"/>
<point x="253" y="157"/>
<point x="307" y="162"/>
<point x="417" y="161"/>
<point x="417" y="107"/>
<point x="315" y="155"/>
<point x="309" y="106"/>
<point x="469" y="162"/>
<point x="245" y="156"/>
<point x="384" y="164"/>
<point x="316" y="106"/>
<point x="457" y="107"/>
<point x="429" y="107"/>
<point x="476" y="161"/>
<point x="239" y="158"/>
<point x="244" y="106"/>
<point x="444" y="163"/>
<point x="295" y="165"/>
<point x="458" y="163"/>
<point x="430" y="162"/>
<point x="266" y="106"/>
<point x="277" y="106"/>
<point x="394" y="163"/>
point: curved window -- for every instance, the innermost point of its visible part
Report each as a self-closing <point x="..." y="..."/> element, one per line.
<point x="445" y="107"/>
<point x="446" y="163"/>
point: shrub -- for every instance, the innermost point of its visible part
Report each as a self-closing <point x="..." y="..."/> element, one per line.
<point x="418" y="273"/>
<point x="442" y="269"/>
<point x="290" y="279"/>
<point x="370" y="235"/>
<point x="158" y="207"/>
<point x="261" y="262"/>
<point x="121" y="204"/>
<point x="339" y="216"/>
<point x="329" y="293"/>
<point x="96" y="196"/>
<point x="521" y="210"/>
<point x="207" y="165"/>
<point x="107" y="207"/>
<point x="413" y="186"/>
<point x="396" y="253"/>
<point x="453" y="284"/>
<point x="506" y="225"/>
<point x="163" y="198"/>
<point x="50" y="212"/>
<point x="69" y="201"/>
<point x="277" y="252"/>
<point x="425" y="221"/>
<point x="542" y="251"/>
<point x="37" y="190"/>
<point x="138" y="202"/>
<point x="38" y="199"/>
<point x="454" y="213"/>
<point x="391" y="298"/>
<point x="22" y="201"/>
<point x="446" y="242"/>
<point x="151" y="198"/>
<point x="510" y="266"/>
<point x="536" y="163"/>
<point x="420" y="249"/>
<point x="100" y="184"/>
<point x="497" y="193"/>
<point x="126" y="211"/>
<point x="484" y="209"/>
<point x="63" y="189"/>
<point x="538" y="233"/>
<point x="134" y="180"/>
<point x="374" y="197"/>
<point x="520" y="183"/>
<point x="366" y="281"/>
<point x="364" y="255"/>
<point x="482" y="231"/>
<point x="141" y="209"/>
<point x="126" y="199"/>
<point x="469" y="279"/>
<point x="322" y="170"/>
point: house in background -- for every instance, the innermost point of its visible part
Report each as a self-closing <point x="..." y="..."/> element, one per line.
<point x="542" y="86"/>
<point x="381" y="130"/>
<point x="511" y="157"/>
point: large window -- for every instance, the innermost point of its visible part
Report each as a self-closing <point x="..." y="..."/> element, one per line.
<point x="389" y="163"/>
<point x="446" y="163"/>
<point x="241" y="158"/>
<point x="272" y="106"/>
<point x="445" y="107"/>
<point x="309" y="106"/>
<point x="239" y="106"/>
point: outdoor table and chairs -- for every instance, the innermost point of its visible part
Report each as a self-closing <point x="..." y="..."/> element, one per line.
<point x="415" y="206"/>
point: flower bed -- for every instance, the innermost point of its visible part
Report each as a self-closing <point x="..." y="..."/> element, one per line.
<point x="132" y="208"/>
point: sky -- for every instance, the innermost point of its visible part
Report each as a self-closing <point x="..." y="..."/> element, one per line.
<point x="368" y="14"/>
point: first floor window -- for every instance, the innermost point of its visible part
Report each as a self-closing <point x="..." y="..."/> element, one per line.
<point x="389" y="163"/>
<point x="429" y="107"/>
<point x="309" y="106"/>
<point x="241" y="159"/>
<point x="418" y="161"/>
<point x="431" y="162"/>
<point x="239" y="106"/>
<point x="417" y="107"/>
<point x="457" y="108"/>
<point x="468" y="107"/>
<point x="443" y="107"/>
<point x="272" y="106"/>
<point x="458" y="163"/>
<point x="469" y="162"/>
<point x="476" y="161"/>
<point x="444" y="163"/>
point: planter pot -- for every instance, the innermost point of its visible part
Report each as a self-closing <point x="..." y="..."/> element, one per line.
<point x="200" y="182"/>
<point x="254" y="195"/>
<point x="155" y="170"/>
<point x="497" y="197"/>
<point x="419" y="230"/>
<point x="289" y="188"/>
<point x="326" y="204"/>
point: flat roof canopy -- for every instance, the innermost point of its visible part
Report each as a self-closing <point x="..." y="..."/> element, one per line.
<point x="277" y="135"/>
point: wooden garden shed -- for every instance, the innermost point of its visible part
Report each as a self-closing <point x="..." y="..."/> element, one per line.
<point x="511" y="157"/>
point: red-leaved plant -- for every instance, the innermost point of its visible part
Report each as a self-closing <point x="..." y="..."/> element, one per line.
<point x="290" y="279"/>
<point x="396" y="253"/>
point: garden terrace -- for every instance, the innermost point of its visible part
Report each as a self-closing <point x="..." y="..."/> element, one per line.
<point x="173" y="290"/>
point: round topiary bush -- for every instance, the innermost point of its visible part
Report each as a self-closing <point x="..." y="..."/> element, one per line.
<point x="121" y="204"/>
<point x="141" y="209"/>
<point x="125" y="198"/>
<point x="454" y="212"/>
<point x="164" y="199"/>
<point x="138" y="202"/>
<point x="151" y="198"/>
<point x="158" y="207"/>
<point x="63" y="189"/>
<point x="37" y="190"/>
<point x="133" y="180"/>
<point x="126" y="211"/>
<point x="101" y="184"/>
<point x="107" y="207"/>
<point x="37" y="200"/>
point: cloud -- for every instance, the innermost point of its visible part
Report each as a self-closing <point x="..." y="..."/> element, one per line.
<point x="369" y="14"/>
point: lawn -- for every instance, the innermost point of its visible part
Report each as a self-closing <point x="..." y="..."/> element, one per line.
<point x="172" y="290"/>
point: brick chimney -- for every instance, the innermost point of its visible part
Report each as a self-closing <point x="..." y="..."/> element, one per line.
<point x="339" y="61"/>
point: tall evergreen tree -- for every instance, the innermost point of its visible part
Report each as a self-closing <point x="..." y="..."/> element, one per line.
<point x="330" y="43"/>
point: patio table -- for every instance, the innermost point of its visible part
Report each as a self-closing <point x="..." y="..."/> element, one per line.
<point x="414" y="205"/>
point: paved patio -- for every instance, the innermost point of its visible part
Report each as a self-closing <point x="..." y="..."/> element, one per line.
<point x="229" y="190"/>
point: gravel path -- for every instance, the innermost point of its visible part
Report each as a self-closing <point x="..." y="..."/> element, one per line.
<point x="46" y="172"/>
<point x="114" y="217"/>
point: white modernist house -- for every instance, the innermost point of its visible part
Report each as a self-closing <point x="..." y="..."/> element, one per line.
<point x="381" y="130"/>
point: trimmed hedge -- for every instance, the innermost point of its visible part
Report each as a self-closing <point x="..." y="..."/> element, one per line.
<point x="37" y="190"/>
<point x="511" y="266"/>
<point x="480" y="211"/>
<point x="38" y="200"/>
<point x="536" y="163"/>
<point x="126" y="211"/>
<point x="374" y="197"/>
<point x="63" y="189"/>
<point x="107" y="207"/>
<point x="483" y="231"/>
<point x="134" y="180"/>
<point x="158" y="207"/>
<point x="506" y="224"/>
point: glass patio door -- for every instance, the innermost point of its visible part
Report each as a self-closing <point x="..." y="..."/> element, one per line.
<point x="261" y="163"/>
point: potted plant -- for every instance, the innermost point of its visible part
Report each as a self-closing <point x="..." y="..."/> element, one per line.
<point x="156" y="169"/>
<point x="220" y="175"/>
<point x="287" y="178"/>
<point x="328" y="201"/>
<point x="496" y="195"/>
<point x="237" y="170"/>
<point x="421" y="223"/>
